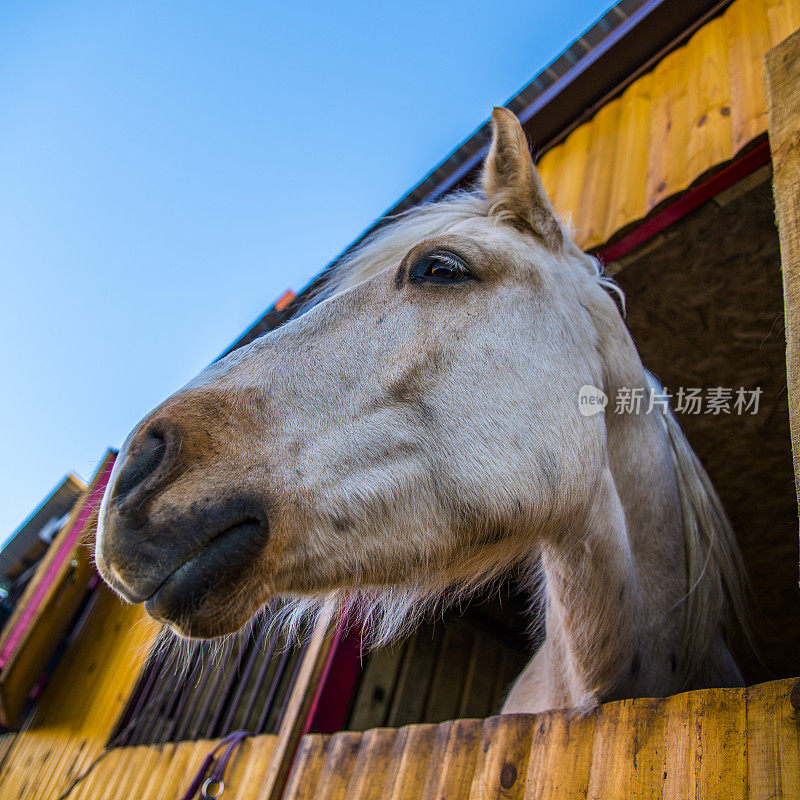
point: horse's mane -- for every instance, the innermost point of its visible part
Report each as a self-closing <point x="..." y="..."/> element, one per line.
<point x="387" y="246"/>
<point x="716" y="576"/>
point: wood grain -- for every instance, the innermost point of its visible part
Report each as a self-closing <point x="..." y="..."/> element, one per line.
<point x="712" y="743"/>
<point x="773" y="739"/>
<point x="692" y="113"/>
<point x="298" y="708"/>
<point x="628" y="750"/>
<point x="783" y="102"/>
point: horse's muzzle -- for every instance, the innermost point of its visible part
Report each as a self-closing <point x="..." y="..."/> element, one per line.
<point x="228" y="556"/>
<point x="156" y="548"/>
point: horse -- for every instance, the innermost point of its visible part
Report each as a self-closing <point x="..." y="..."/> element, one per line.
<point x="415" y="435"/>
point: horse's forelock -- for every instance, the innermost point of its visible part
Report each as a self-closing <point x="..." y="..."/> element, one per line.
<point x="387" y="247"/>
<point x="389" y="244"/>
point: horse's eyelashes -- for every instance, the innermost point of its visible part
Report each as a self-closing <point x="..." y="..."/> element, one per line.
<point x="439" y="268"/>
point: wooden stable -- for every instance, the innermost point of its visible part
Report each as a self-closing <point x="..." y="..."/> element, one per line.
<point x="679" y="156"/>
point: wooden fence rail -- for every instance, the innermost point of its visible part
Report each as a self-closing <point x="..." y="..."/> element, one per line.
<point x="730" y="744"/>
<point x="713" y="743"/>
<point x="163" y="772"/>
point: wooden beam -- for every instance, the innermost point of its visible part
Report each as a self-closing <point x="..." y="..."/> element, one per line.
<point x="783" y="107"/>
<point x="298" y="708"/>
<point x="49" y="602"/>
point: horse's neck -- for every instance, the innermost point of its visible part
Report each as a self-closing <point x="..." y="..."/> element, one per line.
<point x="613" y="583"/>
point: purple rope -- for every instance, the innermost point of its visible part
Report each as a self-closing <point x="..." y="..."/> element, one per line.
<point x="229" y="743"/>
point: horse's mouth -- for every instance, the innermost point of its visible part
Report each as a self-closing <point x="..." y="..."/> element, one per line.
<point x="221" y="563"/>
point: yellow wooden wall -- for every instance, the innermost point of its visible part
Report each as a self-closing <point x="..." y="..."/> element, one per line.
<point x="80" y="706"/>
<point x="729" y="744"/>
<point x="697" y="109"/>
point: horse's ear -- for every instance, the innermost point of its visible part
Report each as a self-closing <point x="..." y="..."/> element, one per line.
<point x="512" y="184"/>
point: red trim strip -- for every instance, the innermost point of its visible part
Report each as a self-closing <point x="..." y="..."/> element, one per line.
<point x="694" y="198"/>
<point x="64" y="549"/>
<point x="328" y="712"/>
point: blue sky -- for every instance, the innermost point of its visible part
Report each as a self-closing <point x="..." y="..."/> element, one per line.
<point x="169" y="169"/>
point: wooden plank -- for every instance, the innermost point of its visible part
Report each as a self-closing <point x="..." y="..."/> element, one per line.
<point x="304" y="777"/>
<point x="773" y="742"/>
<point x="560" y="757"/>
<point x="249" y="765"/>
<point x="139" y="772"/>
<point x="502" y="763"/>
<point x="710" y="139"/>
<point x="563" y="171"/>
<point x="375" y="689"/>
<point x="551" y="172"/>
<point x="40" y="779"/>
<point x="298" y="708"/>
<point x="599" y="177"/>
<point x="6" y="742"/>
<point x="99" y="669"/>
<point x="627" y="196"/>
<point x="451" y="668"/>
<point x="98" y="781"/>
<point x="169" y="778"/>
<point x="410" y="762"/>
<point x="730" y="743"/>
<point x="372" y="765"/>
<point x="747" y="29"/>
<point x="414" y="679"/>
<point x="452" y="762"/>
<point x="186" y="760"/>
<point x="145" y="761"/>
<point x="126" y="770"/>
<point x="680" y="749"/>
<point x="155" y="783"/>
<point x="701" y="104"/>
<point x="477" y="699"/>
<point x="783" y="104"/>
<point x="784" y="19"/>
<point x="340" y="758"/>
<point x="87" y="692"/>
<point x="628" y="750"/>
<point x="667" y="171"/>
<point x="706" y="744"/>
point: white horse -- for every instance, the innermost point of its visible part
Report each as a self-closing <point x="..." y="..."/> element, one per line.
<point x="415" y="435"/>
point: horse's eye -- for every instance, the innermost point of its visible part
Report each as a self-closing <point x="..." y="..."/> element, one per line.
<point x="440" y="268"/>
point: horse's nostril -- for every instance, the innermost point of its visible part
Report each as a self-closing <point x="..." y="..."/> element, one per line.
<point x="146" y="454"/>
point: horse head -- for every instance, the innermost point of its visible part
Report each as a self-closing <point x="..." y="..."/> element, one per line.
<point x="416" y="432"/>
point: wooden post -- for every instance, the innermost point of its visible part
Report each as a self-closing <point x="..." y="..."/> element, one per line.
<point x="298" y="709"/>
<point x="783" y="106"/>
